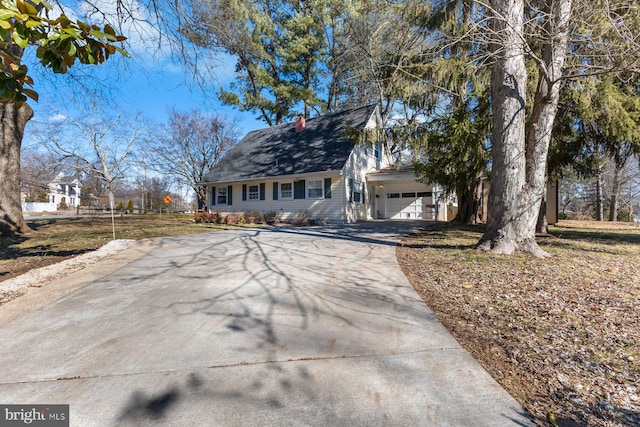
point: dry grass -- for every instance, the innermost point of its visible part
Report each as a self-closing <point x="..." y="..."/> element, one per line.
<point x="55" y="240"/>
<point x="562" y="335"/>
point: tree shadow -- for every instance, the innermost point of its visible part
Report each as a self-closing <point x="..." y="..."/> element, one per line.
<point x="142" y="407"/>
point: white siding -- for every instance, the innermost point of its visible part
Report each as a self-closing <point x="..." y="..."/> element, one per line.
<point x="360" y="162"/>
<point x="322" y="210"/>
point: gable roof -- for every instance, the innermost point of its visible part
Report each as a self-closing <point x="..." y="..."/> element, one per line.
<point x="278" y="151"/>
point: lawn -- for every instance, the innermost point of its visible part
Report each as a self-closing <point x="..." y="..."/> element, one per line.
<point x="55" y="240"/>
<point x="562" y="334"/>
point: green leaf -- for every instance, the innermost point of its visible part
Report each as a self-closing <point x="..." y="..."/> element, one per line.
<point x="4" y="24"/>
<point x="123" y="52"/>
<point x="19" y="40"/>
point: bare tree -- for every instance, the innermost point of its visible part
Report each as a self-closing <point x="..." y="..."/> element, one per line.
<point x="98" y="144"/>
<point x="189" y="145"/>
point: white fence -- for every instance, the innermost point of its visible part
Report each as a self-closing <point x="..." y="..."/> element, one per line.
<point x="39" y="207"/>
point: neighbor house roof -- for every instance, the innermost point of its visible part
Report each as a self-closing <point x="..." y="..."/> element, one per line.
<point x="323" y="145"/>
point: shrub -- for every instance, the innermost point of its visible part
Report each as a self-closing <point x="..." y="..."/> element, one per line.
<point x="130" y="206"/>
<point x="207" y="218"/>
<point x="302" y="218"/>
<point x="272" y="217"/>
<point x="624" y="215"/>
<point x="254" y="217"/>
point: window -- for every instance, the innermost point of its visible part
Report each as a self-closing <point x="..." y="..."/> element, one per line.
<point x="286" y="191"/>
<point x="377" y="151"/>
<point x="424" y="194"/>
<point x="254" y="192"/>
<point x="315" y="189"/>
<point x="408" y="195"/>
<point x="357" y="192"/>
<point x="393" y="195"/>
<point x="222" y="196"/>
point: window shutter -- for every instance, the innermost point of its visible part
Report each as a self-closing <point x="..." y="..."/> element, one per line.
<point x="244" y="192"/>
<point x="299" y="189"/>
<point x="275" y="191"/>
<point x="327" y="188"/>
<point x="213" y="196"/>
<point x="229" y="197"/>
<point x="362" y="196"/>
<point x="262" y="190"/>
<point x="350" y="190"/>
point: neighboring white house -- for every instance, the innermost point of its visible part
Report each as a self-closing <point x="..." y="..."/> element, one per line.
<point x="62" y="191"/>
<point x="317" y="167"/>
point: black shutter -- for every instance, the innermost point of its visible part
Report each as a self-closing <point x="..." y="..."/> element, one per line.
<point x="262" y="190"/>
<point x="244" y="192"/>
<point x="213" y="196"/>
<point x="275" y="191"/>
<point x="327" y="188"/>
<point x="362" y="196"/>
<point x="229" y="193"/>
<point x="350" y="190"/>
<point x="299" y="189"/>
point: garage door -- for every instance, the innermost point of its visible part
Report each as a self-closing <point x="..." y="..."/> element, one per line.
<point x="406" y="203"/>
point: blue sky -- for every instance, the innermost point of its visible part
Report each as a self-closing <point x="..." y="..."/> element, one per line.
<point x="144" y="85"/>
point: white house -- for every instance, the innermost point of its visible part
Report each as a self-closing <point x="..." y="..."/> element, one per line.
<point x="317" y="167"/>
<point x="64" y="190"/>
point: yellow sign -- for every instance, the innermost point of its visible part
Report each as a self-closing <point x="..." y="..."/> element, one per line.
<point x="167" y="199"/>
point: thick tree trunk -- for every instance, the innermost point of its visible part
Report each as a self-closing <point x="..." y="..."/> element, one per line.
<point x="13" y="121"/>
<point x="508" y="88"/>
<point x="546" y="107"/>
<point x="515" y="225"/>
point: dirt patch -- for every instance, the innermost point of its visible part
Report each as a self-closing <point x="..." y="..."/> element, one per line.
<point x="562" y="335"/>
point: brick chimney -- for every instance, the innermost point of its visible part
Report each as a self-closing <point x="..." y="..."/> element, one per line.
<point x="300" y="123"/>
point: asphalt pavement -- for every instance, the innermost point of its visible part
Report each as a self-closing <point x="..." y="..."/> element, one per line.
<point x="256" y="327"/>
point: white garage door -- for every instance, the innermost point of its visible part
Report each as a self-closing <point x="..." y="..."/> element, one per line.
<point x="408" y="202"/>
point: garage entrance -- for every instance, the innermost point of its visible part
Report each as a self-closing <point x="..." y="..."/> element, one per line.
<point x="399" y="196"/>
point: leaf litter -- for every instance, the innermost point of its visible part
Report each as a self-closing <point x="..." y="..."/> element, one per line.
<point x="561" y="335"/>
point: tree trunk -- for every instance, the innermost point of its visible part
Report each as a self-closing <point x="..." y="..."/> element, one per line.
<point x="514" y="207"/>
<point x="505" y="227"/>
<point x="545" y="107"/>
<point x="465" y="214"/>
<point x="615" y="193"/>
<point x="13" y="121"/>
<point x="599" y="197"/>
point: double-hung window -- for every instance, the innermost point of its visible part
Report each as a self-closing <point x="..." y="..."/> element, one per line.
<point x="315" y="189"/>
<point x="254" y="192"/>
<point x="286" y="190"/>
<point x="357" y="192"/>
<point x="221" y="197"/>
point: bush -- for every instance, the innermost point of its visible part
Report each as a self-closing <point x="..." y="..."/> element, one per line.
<point x="207" y="218"/>
<point x="624" y="215"/>
<point x="303" y="218"/>
<point x="254" y="217"/>
<point x="130" y="206"/>
<point x="272" y="217"/>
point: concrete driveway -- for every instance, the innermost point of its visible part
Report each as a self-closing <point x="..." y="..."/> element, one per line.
<point x="279" y="326"/>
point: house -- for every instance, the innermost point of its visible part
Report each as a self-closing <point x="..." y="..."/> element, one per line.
<point x="316" y="166"/>
<point x="64" y="191"/>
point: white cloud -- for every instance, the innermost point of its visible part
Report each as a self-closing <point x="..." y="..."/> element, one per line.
<point x="57" y="118"/>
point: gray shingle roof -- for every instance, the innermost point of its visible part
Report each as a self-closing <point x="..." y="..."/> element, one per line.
<point x="278" y="151"/>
